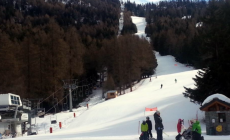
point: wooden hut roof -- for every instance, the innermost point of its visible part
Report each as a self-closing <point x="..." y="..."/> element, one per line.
<point x="214" y="101"/>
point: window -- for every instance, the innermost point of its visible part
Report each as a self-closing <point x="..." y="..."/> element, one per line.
<point x="221" y="117"/>
<point x="111" y="94"/>
<point x="15" y="100"/>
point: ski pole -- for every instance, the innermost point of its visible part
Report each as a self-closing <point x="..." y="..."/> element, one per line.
<point x="165" y="134"/>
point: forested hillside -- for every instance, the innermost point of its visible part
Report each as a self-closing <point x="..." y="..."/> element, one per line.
<point x="43" y="42"/>
<point x="196" y="33"/>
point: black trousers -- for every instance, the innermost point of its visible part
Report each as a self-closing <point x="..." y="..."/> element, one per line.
<point x="145" y="136"/>
<point x="150" y="133"/>
<point x="196" y="136"/>
<point x="159" y="135"/>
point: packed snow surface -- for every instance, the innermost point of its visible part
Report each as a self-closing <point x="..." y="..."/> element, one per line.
<point x="119" y="118"/>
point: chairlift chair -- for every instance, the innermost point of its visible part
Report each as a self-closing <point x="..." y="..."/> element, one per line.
<point x="53" y="120"/>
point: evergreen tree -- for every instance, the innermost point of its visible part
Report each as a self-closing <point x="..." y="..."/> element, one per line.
<point x="215" y="78"/>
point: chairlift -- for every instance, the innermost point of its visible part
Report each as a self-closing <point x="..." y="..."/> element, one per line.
<point x="41" y="112"/>
<point x="53" y="119"/>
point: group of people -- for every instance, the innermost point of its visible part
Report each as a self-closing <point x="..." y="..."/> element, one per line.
<point x="192" y="133"/>
<point x="146" y="127"/>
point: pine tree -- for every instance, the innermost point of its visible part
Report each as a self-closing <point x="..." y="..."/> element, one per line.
<point x="215" y="78"/>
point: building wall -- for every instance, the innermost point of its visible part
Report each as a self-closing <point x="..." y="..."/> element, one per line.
<point x="211" y="127"/>
<point x="111" y="96"/>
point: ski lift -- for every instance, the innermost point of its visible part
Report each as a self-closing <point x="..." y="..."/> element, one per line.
<point x="41" y="112"/>
<point x="53" y="119"/>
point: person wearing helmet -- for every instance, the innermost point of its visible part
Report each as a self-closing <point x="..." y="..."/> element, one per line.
<point x="148" y="121"/>
<point x="144" y="130"/>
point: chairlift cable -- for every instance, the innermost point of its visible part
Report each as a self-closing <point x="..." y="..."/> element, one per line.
<point x="57" y="103"/>
<point x="47" y="98"/>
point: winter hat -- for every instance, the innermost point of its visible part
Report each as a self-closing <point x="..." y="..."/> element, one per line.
<point x="147" y="118"/>
<point x="194" y="120"/>
<point x="158" y="112"/>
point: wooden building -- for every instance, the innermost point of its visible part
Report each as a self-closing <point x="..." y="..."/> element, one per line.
<point x="110" y="94"/>
<point x="217" y="117"/>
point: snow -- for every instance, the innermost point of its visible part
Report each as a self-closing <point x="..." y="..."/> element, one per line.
<point x="119" y="118"/>
<point x="140" y="23"/>
<point x="143" y="1"/>
<point x="199" y="24"/>
<point x="219" y="96"/>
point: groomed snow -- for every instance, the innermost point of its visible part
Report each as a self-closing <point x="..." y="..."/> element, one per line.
<point x="118" y="119"/>
<point x="219" y="96"/>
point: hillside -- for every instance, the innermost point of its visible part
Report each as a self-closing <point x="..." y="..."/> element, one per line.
<point x="118" y="119"/>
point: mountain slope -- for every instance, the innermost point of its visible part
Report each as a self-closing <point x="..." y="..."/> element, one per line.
<point x="118" y="119"/>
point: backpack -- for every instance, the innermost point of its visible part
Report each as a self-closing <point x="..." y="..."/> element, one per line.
<point x="141" y="136"/>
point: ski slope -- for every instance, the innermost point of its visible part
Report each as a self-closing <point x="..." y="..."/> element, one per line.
<point x="118" y="119"/>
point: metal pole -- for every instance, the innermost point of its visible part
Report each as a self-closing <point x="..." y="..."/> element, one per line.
<point x="29" y="122"/>
<point x="70" y="100"/>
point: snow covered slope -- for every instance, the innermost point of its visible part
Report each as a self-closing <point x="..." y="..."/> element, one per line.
<point x="118" y="119"/>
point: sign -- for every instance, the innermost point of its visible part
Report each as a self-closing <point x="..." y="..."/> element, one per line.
<point x="151" y="109"/>
<point x="213" y="120"/>
<point x="219" y="128"/>
<point x="221" y="120"/>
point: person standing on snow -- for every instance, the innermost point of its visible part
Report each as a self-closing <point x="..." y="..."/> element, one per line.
<point x="180" y="126"/>
<point x="180" y="129"/>
<point x="161" y="85"/>
<point x="144" y="130"/>
<point x="175" y="80"/>
<point x="196" y="130"/>
<point x="148" y="121"/>
<point x="158" y="125"/>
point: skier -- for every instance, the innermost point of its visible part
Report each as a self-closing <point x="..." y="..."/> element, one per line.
<point x="196" y="130"/>
<point x="148" y="121"/>
<point x="144" y="130"/>
<point x="175" y="81"/>
<point x="158" y="125"/>
<point x="161" y="86"/>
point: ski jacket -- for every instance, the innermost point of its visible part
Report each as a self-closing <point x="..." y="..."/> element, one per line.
<point x="196" y="127"/>
<point x="149" y="124"/>
<point x="144" y="127"/>
<point x="179" y="126"/>
<point x="158" y="122"/>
